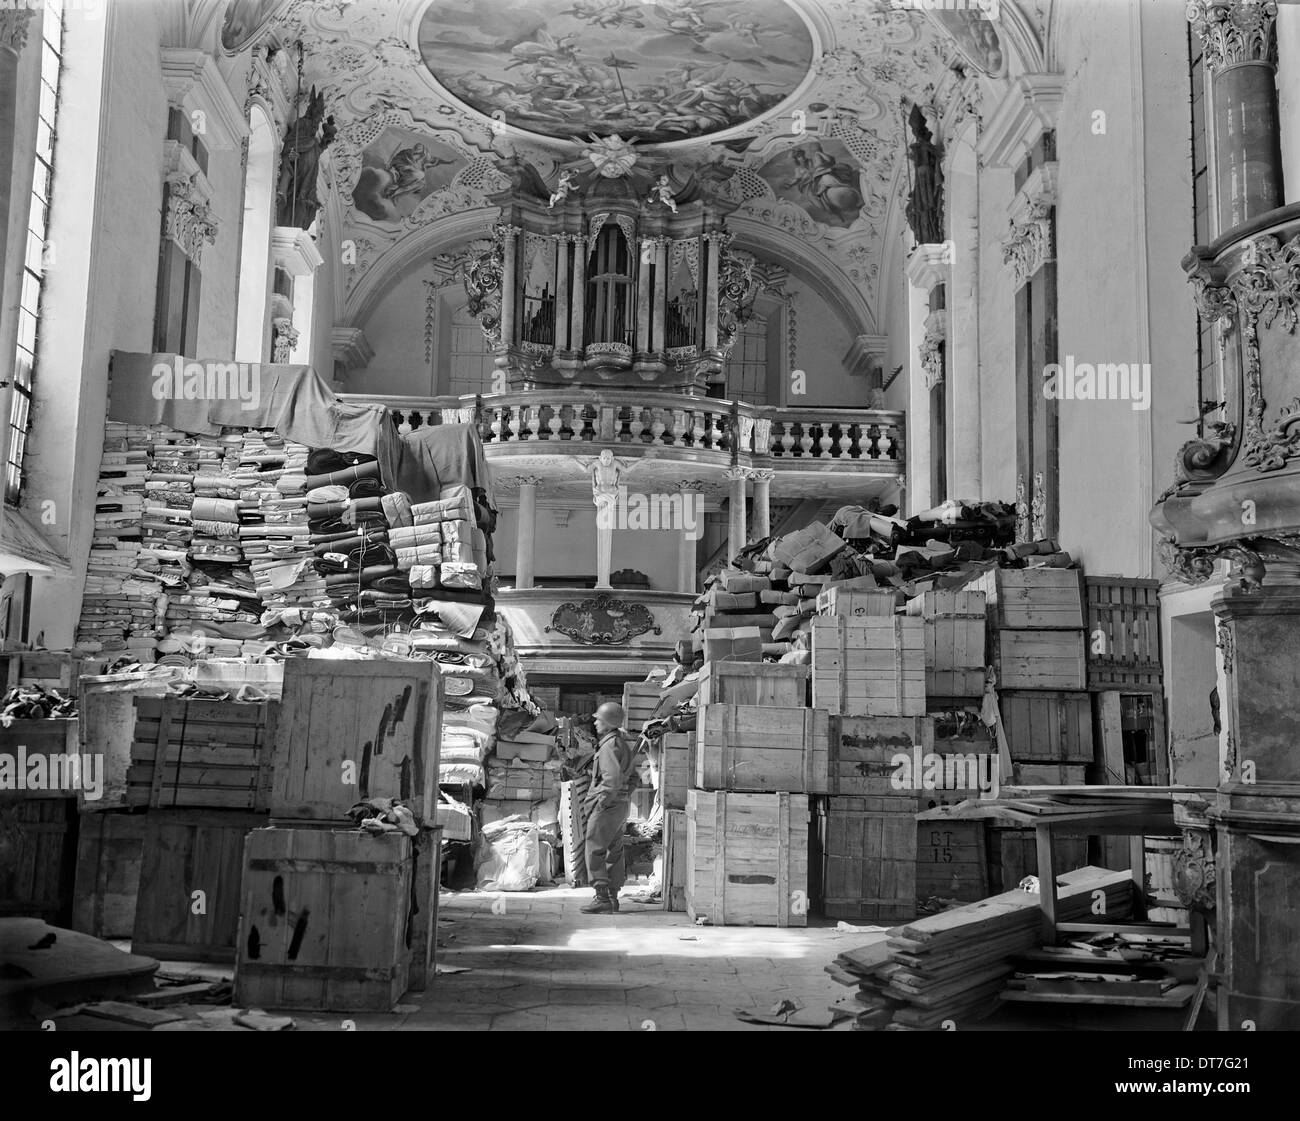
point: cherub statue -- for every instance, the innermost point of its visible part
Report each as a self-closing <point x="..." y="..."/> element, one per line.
<point x="563" y="189"/>
<point x="662" y="192"/>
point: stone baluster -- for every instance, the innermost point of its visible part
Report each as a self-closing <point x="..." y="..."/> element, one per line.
<point x="657" y="427"/>
<point x="846" y="441"/>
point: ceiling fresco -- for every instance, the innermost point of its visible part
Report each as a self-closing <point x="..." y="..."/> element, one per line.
<point x="650" y="72"/>
<point x="805" y="133"/>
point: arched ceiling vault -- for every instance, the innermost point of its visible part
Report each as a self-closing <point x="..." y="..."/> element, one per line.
<point x="427" y="95"/>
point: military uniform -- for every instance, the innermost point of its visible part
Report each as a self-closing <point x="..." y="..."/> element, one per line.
<point x="608" y="796"/>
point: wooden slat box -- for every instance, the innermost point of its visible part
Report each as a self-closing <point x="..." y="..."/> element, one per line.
<point x="1123" y="634"/>
<point x="675" y="860"/>
<point x="1032" y="598"/>
<point x="754" y="683"/>
<point x="639" y="701"/>
<point x="30" y="772"/>
<point x="854" y="604"/>
<point x="762" y="749"/>
<point x="863" y="747"/>
<point x="747" y="858"/>
<point x="868" y="858"/>
<point x="951" y="859"/>
<point x="868" y="666"/>
<point x="955" y="625"/>
<point x="1040" y="659"/>
<point x="323" y="920"/>
<point x="1013" y="855"/>
<point x="215" y="754"/>
<point x="1047" y="727"/>
<point x="110" y="853"/>
<point x="573" y="830"/>
<point x="676" y="768"/>
<point x="353" y="730"/>
<point x="38" y="846"/>
<point x="188" y="851"/>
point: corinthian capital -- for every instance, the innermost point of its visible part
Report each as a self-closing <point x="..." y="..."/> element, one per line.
<point x="1235" y="30"/>
<point x="13" y="27"/>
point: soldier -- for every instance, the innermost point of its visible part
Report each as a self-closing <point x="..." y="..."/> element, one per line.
<point x="612" y="777"/>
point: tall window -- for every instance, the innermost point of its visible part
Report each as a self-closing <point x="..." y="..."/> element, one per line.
<point x="29" y="300"/>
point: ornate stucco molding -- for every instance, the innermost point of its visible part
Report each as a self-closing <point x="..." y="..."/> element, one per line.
<point x="1031" y="243"/>
<point x="1233" y="31"/>
<point x="13" y="27"/>
<point x="188" y="221"/>
<point x="284" y="338"/>
<point x="932" y="350"/>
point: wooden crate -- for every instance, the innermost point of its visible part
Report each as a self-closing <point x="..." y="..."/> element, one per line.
<point x="1049" y="774"/>
<point x="867" y="858"/>
<point x="215" y="754"/>
<point x="747" y="861"/>
<point x="754" y="683"/>
<point x="862" y="750"/>
<point x="573" y="830"/>
<point x="1013" y="855"/>
<point x="185" y="852"/>
<point x="110" y="853"/>
<point x="868" y="666"/>
<point x="1047" y="727"/>
<point x="1039" y="659"/>
<point x="377" y="724"/>
<point x="640" y="698"/>
<point x="762" y="749"/>
<point x="675" y="860"/>
<point x="1032" y="598"/>
<point x="324" y="918"/>
<point x="1123" y="633"/>
<point x="856" y="603"/>
<point x="676" y="768"/>
<point x="38" y="854"/>
<point x="951" y="860"/>
<point x="28" y="751"/>
<point x="955" y="624"/>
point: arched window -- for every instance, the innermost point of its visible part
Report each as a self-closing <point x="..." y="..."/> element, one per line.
<point x="252" y="330"/>
<point x="609" y="290"/>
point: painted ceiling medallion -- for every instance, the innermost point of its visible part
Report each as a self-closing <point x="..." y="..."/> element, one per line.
<point x="245" y="20"/>
<point x="651" y="73"/>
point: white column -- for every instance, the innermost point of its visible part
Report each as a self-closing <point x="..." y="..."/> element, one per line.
<point x="711" y="295"/>
<point x="561" y="290"/>
<point x="508" y="288"/>
<point x="579" y="293"/>
<point x="762" y="477"/>
<point x="604" y="551"/>
<point x="927" y="266"/>
<point x="661" y="294"/>
<point x="526" y="531"/>
<point x="736" y="510"/>
<point x="692" y="492"/>
<point x="643" y="295"/>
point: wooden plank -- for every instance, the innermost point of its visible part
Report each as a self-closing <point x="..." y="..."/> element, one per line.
<point x="676" y="859"/>
<point x="762" y="749"/>
<point x="640" y="698"/>
<point x="1047" y="727"/>
<point x="23" y="743"/>
<point x="1040" y="659"/>
<point x="676" y="768"/>
<point x="867" y="858"/>
<point x="1123" y="633"/>
<point x="110" y="854"/>
<point x="38" y="845"/>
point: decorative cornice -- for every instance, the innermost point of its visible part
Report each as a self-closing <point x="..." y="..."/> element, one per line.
<point x="736" y="474"/>
<point x="1234" y="31"/>
<point x="693" y="486"/>
<point x="762" y="474"/>
<point x="866" y="354"/>
<point x="1030" y="108"/>
<point x="188" y="220"/>
<point x="929" y="265"/>
<point x="295" y="251"/>
<point x="13" y="27"/>
<point x="351" y="347"/>
<point x="194" y="83"/>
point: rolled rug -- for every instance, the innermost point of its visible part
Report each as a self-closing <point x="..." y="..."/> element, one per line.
<point x="371" y="553"/>
<point x="397" y="584"/>
<point x="366" y="488"/>
<point x="323" y="461"/>
<point x="345" y="477"/>
<point x="365" y="577"/>
<point x="327" y="494"/>
<point x="345" y="539"/>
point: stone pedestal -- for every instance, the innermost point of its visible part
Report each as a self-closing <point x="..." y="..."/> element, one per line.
<point x="1257" y="815"/>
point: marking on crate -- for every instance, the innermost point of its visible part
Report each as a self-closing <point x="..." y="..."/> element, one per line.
<point x="299" y="933"/>
<point x="254" y="944"/>
<point x="754" y="879"/>
<point x="383" y="729"/>
<point x="404" y="779"/>
<point x="277" y="897"/>
<point x="363" y="779"/>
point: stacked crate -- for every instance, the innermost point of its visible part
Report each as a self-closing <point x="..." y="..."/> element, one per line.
<point x="331" y="917"/>
<point x="759" y="753"/>
<point x="955" y="624"/>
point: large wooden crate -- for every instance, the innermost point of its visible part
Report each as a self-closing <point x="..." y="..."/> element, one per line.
<point x="353" y="730"/>
<point x="951" y="860"/>
<point x="188" y="907"/>
<point x="110" y="854"/>
<point x="866" y="852"/>
<point x="1013" y="855"/>
<point x="34" y="758"/>
<point x="747" y="858"/>
<point x="955" y="624"/>
<point x="1032" y="598"/>
<point x="868" y="666"/>
<point x="862" y="751"/>
<point x="762" y="749"/>
<point x="38" y="853"/>
<point x="1039" y="659"/>
<point x="1047" y="727"/>
<point x="754" y="683"/>
<point x="324" y="920"/>
<point x="214" y="754"/>
<point x="675" y="860"/>
<point x="1123" y="634"/>
<point x="640" y="699"/>
<point x="676" y="768"/>
<point x="855" y="603"/>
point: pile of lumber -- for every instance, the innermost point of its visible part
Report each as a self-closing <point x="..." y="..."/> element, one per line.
<point x="951" y="967"/>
